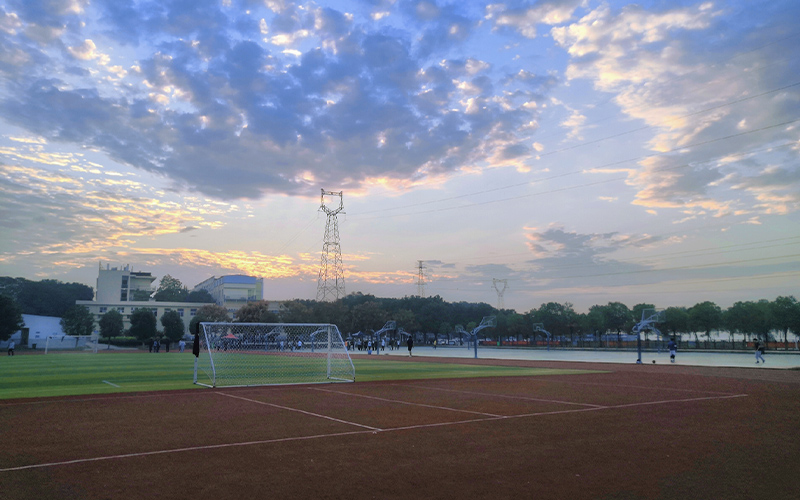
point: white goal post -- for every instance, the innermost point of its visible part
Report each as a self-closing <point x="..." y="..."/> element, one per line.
<point x="70" y="343"/>
<point x="248" y="354"/>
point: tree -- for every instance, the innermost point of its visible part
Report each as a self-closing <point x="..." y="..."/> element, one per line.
<point x="616" y="317"/>
<point x="368" y="316"/>
<point x="704" y="317"/>
<point x="143" y="324"/>
<point x="676" y="320"/>
<point x="255" y="312"/>
<point x="77" y="321"/>
<point x="335" y="313"/>
<point x="637" y="313"/>
<point x="785" y="313"/>
<point x="111" y="324"/>
<point x="595" y="321"/>
<point x="637" y="310"/>
<point x="170" y="290"/>
<point x="201" y="295"/>
<point x="173" y="325"/>
<point x="46" y="297"/>
<point x="406" y="320"/>
<point x="211" y="313"/>
<point x="294" y="311"/>
<point x="10" y="317"/>
<point x="558" y="319"/>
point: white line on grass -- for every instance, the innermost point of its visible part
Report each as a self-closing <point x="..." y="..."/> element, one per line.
<point x="299" y="411"/>
<point x="109" y="383"/>
<point x="407" y="403"/>
<point x="351" y="433"/>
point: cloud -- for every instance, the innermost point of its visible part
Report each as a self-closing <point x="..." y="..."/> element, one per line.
<point x="720" y="118"/>
<point x="62" y="210"/>
<point x="233" y="118"/>
<point x="525" y="18"/>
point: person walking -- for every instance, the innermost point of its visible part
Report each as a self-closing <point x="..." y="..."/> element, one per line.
<point x="11" y="346"/>
<point x="759" y="352"/>
<point x="410" y="344"/>
<point x="673" y="349"/>
<point x="181" y="345"/>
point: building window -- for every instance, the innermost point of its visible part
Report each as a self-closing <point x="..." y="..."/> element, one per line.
<point x="124" y="282"/>
<point x="103" y="309"/>
<point x="180" y="311"/>
<point x="121" y="310"/>
<point x="154" y="311"/>
<point x="192" y="311"/>
<point x="123" y="296"/>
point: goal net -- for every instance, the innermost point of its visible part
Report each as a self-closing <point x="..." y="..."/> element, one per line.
<point x="70" y="343"/>
<point x="245" y="354"/>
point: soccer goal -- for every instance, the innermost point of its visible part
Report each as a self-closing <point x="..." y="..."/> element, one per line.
<point x="246" y="354"/>
<point x="70" y="343"/>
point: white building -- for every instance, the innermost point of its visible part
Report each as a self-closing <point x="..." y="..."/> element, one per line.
<point x="118" y="288"/>
<point x="123" y="285"/>
<point x="234" y="291"/>
<point x="186" y="310"/>
<point x="36" y="330"/>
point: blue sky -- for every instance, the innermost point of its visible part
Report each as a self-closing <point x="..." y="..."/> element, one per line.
<point x="582" y="151"/>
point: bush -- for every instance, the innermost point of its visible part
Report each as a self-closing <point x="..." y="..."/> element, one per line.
<point x="122" y="342"/>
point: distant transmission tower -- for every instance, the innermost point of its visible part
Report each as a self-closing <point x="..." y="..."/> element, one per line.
<point x="500" y="291"/>
<point x="420" y="278"/>
<point x="330" y="285"/>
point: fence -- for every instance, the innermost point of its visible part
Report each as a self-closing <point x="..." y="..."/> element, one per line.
<point x="650" y="345"/>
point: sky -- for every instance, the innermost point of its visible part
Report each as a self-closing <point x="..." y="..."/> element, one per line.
<point x="514" y="153"/>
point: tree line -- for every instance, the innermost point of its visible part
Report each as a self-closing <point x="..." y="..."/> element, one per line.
<point x="357" y="312"/>
<point x="767" y="320"/>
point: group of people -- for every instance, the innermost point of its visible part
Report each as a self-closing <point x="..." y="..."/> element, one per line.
<point x="673" y="350"/>
<point x="156" y="345"/>
<point x="369" y="345"/>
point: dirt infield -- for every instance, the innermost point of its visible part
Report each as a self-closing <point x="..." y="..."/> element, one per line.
<point x="636" y="432"/>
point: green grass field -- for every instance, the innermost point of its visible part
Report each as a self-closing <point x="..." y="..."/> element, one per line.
<point x="70" y="374"/>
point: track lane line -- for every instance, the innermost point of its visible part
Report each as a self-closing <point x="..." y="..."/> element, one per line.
<point x="525" y="398"/>
<point x="287" y="408"/>
<point x="397" y="401"/>
<point x="351" y="433"/>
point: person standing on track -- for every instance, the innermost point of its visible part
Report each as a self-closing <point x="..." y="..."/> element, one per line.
<point x="759" y="351"/>
<point x="410" y="344"/>
<point x="12" y="345"/>
<point x="673" y="349"/>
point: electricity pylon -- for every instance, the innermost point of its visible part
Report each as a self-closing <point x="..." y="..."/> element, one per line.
<point x="500" y="291"/>
<point x="420" y="278"/>
<point x="330" y="285"/>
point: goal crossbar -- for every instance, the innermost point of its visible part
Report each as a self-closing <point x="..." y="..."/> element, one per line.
<point x="250" y="354"/>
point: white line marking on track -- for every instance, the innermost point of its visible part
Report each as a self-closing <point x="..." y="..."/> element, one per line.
<point x="299" y="411"/>
<point x="352" y="433"/>
<point x="525" y="398"/>
<point x="675" y="389"/>
<point x="646" y="403"/>
<point x="109" y="383"/>
<point x="180" y="450"/>
<point x="408" y="403"/>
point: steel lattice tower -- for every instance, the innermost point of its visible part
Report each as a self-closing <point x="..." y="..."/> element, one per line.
<point x="420" y="278"/>
<point x="330" y="285"/>
<point x="500" y="291"/>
